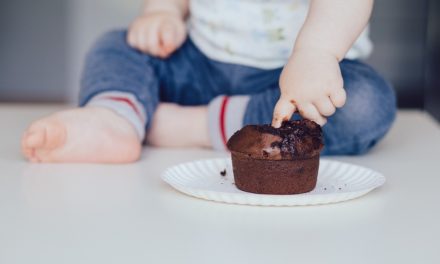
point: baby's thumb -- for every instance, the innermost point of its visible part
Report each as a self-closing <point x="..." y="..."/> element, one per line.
<point x="283" y="111"/>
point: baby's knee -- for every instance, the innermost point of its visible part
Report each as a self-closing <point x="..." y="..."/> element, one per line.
<point x="375" y="102"/>
<point x="368" y="114"/>
<point x="114" y="39"/>
<point x="112" y="49"/>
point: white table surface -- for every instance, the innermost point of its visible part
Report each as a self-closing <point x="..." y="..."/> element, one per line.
<point x="77" y="213"/>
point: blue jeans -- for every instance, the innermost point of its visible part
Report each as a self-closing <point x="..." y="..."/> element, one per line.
<point x="188" y="77"/>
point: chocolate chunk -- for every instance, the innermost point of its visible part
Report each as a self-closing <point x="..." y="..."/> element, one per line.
<point x="294" y="139"/>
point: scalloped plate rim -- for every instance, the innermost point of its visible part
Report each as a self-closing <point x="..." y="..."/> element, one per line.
<point x="337" y="197"/>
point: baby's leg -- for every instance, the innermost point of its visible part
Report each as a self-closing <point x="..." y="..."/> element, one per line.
<point x="110" y="128"/>
<point x="353" y="129"/>
<point x="357" y="126"/>
<point x="179" y="126"/>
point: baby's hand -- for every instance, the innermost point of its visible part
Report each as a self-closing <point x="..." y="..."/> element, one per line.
<point x="158" y="34"/>
<point x="311" y="83"/>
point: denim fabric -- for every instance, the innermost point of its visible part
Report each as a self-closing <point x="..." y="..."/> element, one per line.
<point x="188" y="77"/>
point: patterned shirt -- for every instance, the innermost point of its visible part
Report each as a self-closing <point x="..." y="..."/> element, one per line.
<point x="256" y="33"/>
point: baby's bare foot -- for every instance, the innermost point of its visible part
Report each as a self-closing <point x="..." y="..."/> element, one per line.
<point x="91" y="134"/>
<point x="179" y="126"/>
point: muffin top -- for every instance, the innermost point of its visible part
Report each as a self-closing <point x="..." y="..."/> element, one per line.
<point x="293" y="140"/>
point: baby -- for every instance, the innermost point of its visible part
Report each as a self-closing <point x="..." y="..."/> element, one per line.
<point x="189" y="73"/>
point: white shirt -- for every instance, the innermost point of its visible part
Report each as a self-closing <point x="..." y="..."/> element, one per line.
<point x="256" y="33"/>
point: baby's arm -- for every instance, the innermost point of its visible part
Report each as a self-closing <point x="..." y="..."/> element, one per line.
<point x="311" y="81"/>
<point x="160" y="29"/>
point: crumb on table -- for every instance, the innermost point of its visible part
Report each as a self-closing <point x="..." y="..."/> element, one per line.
<point x="223" y="172"/>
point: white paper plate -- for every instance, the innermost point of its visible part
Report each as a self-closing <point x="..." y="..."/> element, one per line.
<point x="337" y="181"/>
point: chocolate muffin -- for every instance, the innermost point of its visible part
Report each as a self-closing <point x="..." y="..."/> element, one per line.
<point x="283" y="160"/>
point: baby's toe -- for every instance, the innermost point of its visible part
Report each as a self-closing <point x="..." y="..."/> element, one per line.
<point x="42" y="138"/>
<point x="35" y="139"/>
<point x="29" y="153"/>
<point x="54" y="134"/>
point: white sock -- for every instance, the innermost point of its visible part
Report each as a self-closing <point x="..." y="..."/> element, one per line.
<point x="225" y="117"/>
<point x="124" y="104"/>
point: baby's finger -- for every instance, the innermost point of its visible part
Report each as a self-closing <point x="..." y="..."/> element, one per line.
<point x="338" y="97"/>
<point x="180" y="33"/>
<point x="142" y="42"/>
<point x="283" y="111"/>
<point x="325" y="107"/>
<point x="310" y="112"/>
<point x="151" y="39"/>
<point x="167" y="38"/>
<point x="134" y="38"/>
<point x="131" y="39"/>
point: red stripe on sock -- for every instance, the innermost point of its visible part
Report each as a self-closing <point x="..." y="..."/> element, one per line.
<point x="127" y="101"/>
<point x="222" y="119"/>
